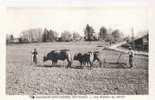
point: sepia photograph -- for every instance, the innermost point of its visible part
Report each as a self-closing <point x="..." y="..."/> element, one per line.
<point x="77" y="49"/>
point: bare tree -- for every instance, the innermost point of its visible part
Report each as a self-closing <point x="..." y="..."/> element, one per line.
<point x="66" y="36"/>
<point x="76" y="36"/>
<point x="117" y="35"/>
<point x="31" y="35"/>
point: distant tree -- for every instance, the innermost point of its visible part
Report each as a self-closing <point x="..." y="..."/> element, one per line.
<point x="89" y="33"/>
<point x="31" y="35"/>
<point x="49" y="35"/>
<point x="76" y="36"/>
<point x="117" y="35"/>
<point x="127" y="39"/>
<point x="9" y="38"/>
<point x="55" y="35"/>
<point x="52" y="35"/>
<point x="45" y="35"/>
<point x="66" y="36"/>
<point x="103" y="33"/>
<point x="20" y="40"/>
<point x="95" y="37"/>
<point x="38" y="34"/>
<point x="109" y="38"/>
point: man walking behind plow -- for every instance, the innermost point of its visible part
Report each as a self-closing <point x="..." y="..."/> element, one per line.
<point x="131" y="57"/>
<point x="34" y="56"/>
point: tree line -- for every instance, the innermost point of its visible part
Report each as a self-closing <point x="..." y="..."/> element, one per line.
<point x="39" y="35"/>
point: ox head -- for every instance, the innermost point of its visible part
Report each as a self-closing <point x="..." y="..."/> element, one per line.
<point x="90" y="53"/>
<point x="77" y="56"/>
<point x="44" y="58"/>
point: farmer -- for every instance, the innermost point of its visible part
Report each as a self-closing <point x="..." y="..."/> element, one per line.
<point x="34" y="54"/>
<point x="131" y="55"/>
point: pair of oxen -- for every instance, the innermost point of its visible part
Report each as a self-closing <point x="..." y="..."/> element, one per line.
<point x="84" y="59"/>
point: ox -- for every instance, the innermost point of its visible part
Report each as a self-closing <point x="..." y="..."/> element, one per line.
<point x="82" y="58"/>
<point x="89" y="58"/>
<point x="54" y="56"/>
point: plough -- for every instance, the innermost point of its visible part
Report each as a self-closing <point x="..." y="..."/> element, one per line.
<point x="120" y="64"/>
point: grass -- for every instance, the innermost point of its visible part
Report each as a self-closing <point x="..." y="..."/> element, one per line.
<point x="24" y="78"/>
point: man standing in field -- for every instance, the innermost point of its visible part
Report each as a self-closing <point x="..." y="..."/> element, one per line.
<point x="131" y="55"/>
<point x="34" y="54"/>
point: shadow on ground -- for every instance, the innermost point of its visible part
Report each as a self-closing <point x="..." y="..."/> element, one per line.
<point x="49" y="66"/>
<point x="117" y="65"/>
<point x="106" y="65"/>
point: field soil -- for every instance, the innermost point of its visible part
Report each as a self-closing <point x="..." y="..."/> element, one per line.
<point x="25" y="78"/>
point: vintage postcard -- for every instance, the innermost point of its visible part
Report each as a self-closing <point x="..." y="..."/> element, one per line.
<point x="76" y="49"/>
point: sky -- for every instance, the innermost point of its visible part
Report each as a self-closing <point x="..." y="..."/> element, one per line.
<point x="74" y="17"/>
